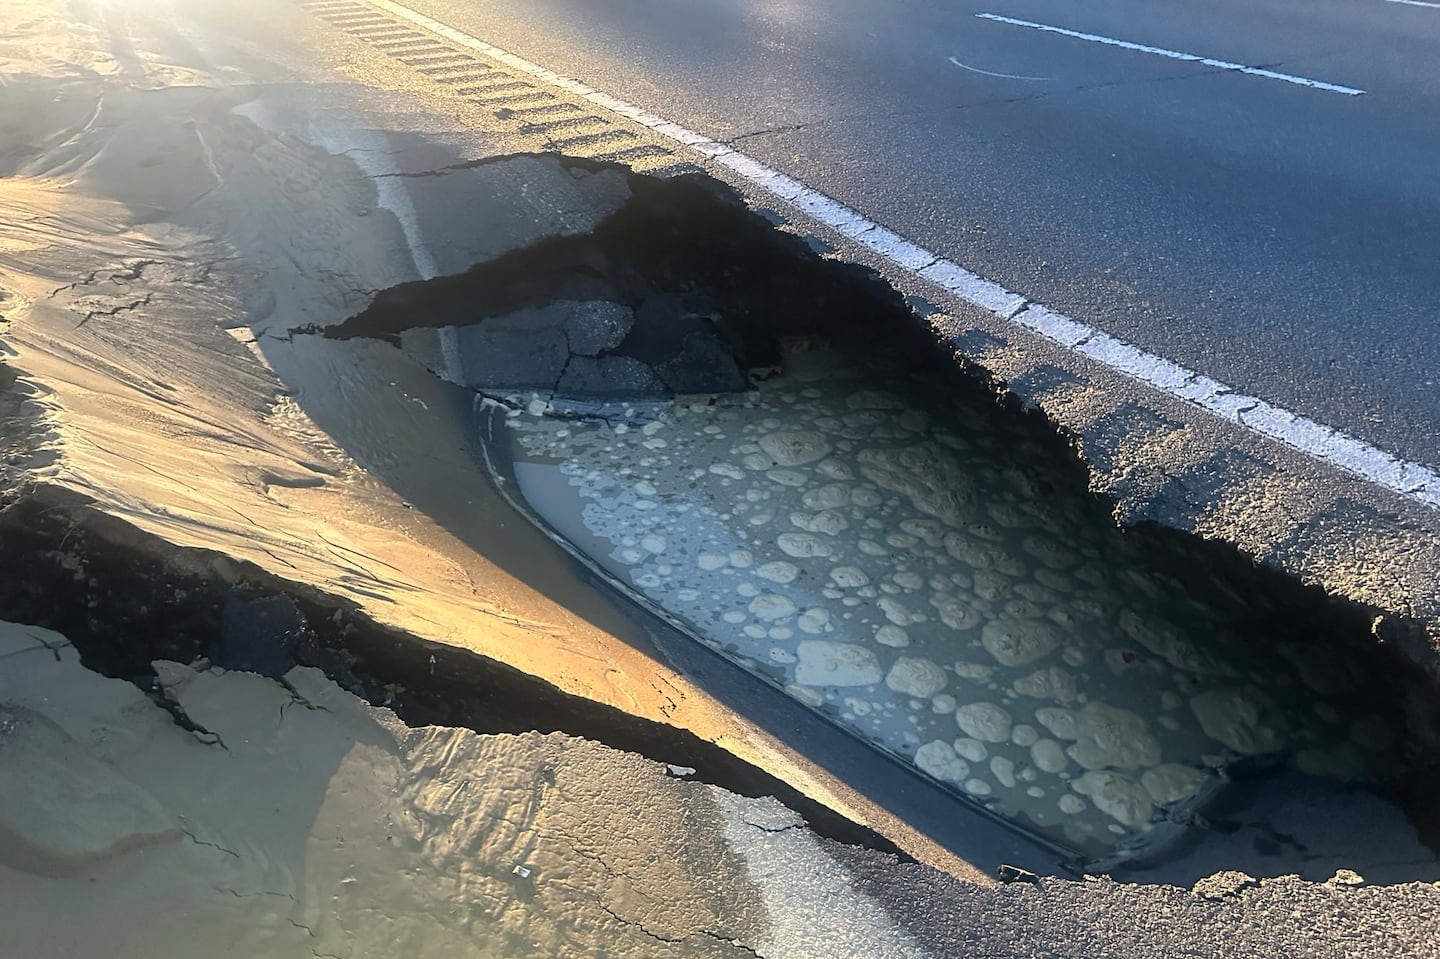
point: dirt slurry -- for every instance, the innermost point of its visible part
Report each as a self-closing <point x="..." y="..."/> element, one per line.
<point x="915" y="573"/>
<point x="125" y="600"/>
<point x="296" y="821"/>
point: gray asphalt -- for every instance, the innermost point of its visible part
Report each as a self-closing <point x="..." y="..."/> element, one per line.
<point x="1279" y="238"/>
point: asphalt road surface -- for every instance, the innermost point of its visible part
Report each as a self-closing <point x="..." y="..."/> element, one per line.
<point x="1275" y="227"/>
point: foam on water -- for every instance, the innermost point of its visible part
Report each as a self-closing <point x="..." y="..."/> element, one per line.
<point x="918" y="578"/>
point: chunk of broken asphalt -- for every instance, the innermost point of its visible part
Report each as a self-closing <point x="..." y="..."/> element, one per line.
<point x="1007" y="874"/>
<point x="594" y="327"/>
<point x="1231" y="882"/>
<point x="608" y="375"/>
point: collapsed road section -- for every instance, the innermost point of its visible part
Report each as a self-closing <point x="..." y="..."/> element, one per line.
<point x="228" y="453"/>
<point x="766" y="449"/>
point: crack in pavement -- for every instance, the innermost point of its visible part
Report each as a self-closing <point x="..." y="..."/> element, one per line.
<point x="675" y="941"/>
<point x="446" y="170"/>
<point x="766" y="131"/>
<point x="54" y="649"/>
<point x="300" y="925"/>
<point x="185" y="828"/>
<point x="162" y="697"/>
<point x="773" y="831"/>
<point x="263" y="892"/>
<point x="296" y="698"/>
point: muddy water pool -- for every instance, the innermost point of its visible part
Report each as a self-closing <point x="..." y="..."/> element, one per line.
<point x="919" y="571"/>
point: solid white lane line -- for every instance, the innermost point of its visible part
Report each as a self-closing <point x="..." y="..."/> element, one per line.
<point x="1411" y="481"/>
<point x="1177" y="55"/>
<point x="1415" y="3"/>
<point x="1003" y="76"/>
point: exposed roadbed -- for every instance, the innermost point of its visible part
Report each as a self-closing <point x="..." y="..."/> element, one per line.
<point x="184" y="208"/>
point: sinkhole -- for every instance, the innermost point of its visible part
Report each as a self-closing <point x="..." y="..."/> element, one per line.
<point x="769" y="450"/>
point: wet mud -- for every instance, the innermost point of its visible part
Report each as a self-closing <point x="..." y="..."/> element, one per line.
<point x="126" y="600"/>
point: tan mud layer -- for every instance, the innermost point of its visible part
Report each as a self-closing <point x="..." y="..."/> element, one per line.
<point x="311" y="824"/>
<point x="158" y="234"/>
<point x="303" y="823"/>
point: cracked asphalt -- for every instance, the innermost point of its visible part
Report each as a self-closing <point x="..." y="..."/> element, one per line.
<point x="1275" y="237"/>
<point x="147" y="401"/>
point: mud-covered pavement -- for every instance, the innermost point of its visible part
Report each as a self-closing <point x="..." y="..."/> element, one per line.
<point x="286" y="673"/>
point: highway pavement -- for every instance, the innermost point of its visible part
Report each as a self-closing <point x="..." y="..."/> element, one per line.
<point x="1247" y="189"/>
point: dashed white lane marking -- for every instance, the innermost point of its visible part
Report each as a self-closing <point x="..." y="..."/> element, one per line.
<point x="1415" y="3"/>
<point x="1176" y="54"/>
<point x="1003" y="76"/>
<point x="1328" y="445"/>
